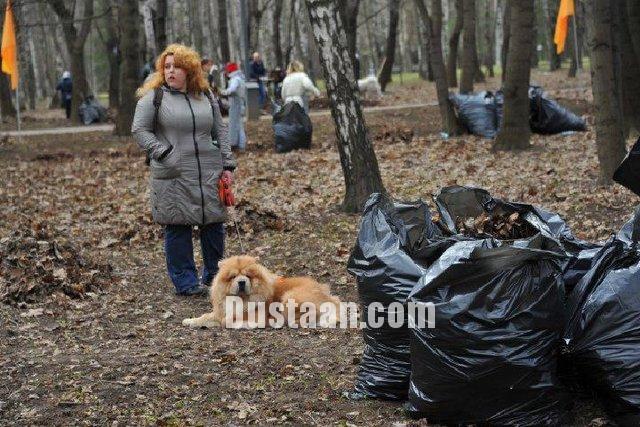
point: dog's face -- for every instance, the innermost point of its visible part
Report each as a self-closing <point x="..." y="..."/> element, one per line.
<point x="242" y="276"/>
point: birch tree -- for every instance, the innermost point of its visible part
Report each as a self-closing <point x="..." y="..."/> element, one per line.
<point x="357" y="157"/>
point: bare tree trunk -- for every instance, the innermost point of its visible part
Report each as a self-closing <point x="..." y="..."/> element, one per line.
<point x="195" y="26"/>
<point x="357" y="157"/>
<point x="223" y="31"/>
<point x="75" y="40"/>
<point x="506" y="36"/>
<point x="149" y="34"/>
<point x="349" y="14"/>
<point x="489" y="36"/>
<point x="128" y="19"/>
<point x="112" y="46"/>
<point x="609" y="127"/>
<point x="277" y="43"/>
<point x="454" y="41"/>
<point x="160" y="28"/>
<point x="434" y="30"/>
<point x="394" y="15"/>
<point x="550" y="9"/>
<point x="371" y="40"/>
<point x="515" y="131"/>
<point x="630" y="69"/>
<point x="24" y="58"/>
<point x="469" y="45"/>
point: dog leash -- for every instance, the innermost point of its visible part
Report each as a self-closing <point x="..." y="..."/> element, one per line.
<point x="232" y="214"/>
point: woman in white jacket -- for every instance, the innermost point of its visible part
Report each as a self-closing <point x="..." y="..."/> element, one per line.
<point x="297" y="86"/>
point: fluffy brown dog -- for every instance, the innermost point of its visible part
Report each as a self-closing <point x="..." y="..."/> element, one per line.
<point x="244" y="277"/>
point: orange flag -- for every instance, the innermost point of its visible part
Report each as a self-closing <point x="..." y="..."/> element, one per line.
<point x="566" y="10"/>
<point x="8" y="49"/>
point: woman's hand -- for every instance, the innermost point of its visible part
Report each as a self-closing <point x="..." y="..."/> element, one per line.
<point x="227" y="176"/>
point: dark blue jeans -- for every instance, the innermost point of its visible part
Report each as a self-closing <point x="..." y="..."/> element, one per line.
<point x="262" y="93"/>
<point x="178" y="249"/>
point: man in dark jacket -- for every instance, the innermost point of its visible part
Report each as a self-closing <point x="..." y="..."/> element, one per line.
<point x="65" y="87"/>
<point x="257" y="71"/>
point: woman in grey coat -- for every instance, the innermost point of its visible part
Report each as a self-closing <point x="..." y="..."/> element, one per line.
<point x="186" y="141"/>
<point x="237" y="93"/>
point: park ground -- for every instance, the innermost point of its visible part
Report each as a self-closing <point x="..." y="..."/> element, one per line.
<point x="111" y="348"/>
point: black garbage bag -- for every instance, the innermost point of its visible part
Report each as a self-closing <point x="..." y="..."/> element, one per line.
<point x="548" y="117"/>
<point x="491" y="356"/>
<point x="628" y="173"/>
<point x="477" y="113"/>
<point x="395" y="243"/>
<point x="457" y="202"/>
<point x="92" y="112"/>
<point x="603" y="329"/>
<point x="292" y="127"/>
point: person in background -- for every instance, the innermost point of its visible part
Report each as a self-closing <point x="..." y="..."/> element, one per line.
<point x="257" y="70"/>
<point x="65" y="86"/>
<point x="297" y="86"/>
<point x="147" y="69"/>
<point x="207" y="69"/>
<point x="237" y="93"/>
<point x="186" y="140"/>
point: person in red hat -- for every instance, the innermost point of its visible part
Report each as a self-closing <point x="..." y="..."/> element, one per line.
<point x="237" y="93"/>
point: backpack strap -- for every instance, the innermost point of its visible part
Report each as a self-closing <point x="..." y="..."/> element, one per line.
<point x="157" y="101"/>
<point x="214" y="133"/>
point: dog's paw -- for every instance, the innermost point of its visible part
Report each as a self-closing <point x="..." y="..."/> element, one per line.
<point x="190" y="322"/>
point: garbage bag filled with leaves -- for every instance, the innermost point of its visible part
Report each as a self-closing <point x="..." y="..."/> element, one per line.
<point x="477" y="113"/>
<point x="603" y="329"/>
<point x="292" y="128"/>
<point x="395" y="243"/>
<point x="491" y="355"/>
<point x="474" y="212"/>
<point x="548" y="117"/>
<point x="628" y="173"/>
<point x="92" y="112"/>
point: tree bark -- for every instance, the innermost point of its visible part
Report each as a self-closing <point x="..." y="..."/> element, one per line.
<point x="454" y="41"/>
<point x="394" y="15"/>
<point x="489" y="37"/>
<point x="195" y="20"/>
<point x="112" y="47"/>
<point x="128" y="20"/>
<point x="506" y="36"/>
<point x="550" y="9"/>
<point x="75" y="40"/>
<point x="160" y="28"/>
<point x="515" y="131"/>
<point x="349" y="14"/>
<point x="469" y="44"/>
<point x="357" y="157"/>
<point x="434" y="30"/>
<point x="277" y="43"/>
<point x="630" y="69"/>
<point x="223" y="31"/>
<point x="609" y="128"/>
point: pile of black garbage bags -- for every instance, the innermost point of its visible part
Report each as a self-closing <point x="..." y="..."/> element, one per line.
<point x="292" y="128"/>
<point x="481" y="113"/>
<point x="507" y="312"/>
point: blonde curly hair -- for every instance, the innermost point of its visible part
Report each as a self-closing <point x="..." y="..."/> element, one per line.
<point x="295" y="67"/>
<point x="185" y="58"/>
